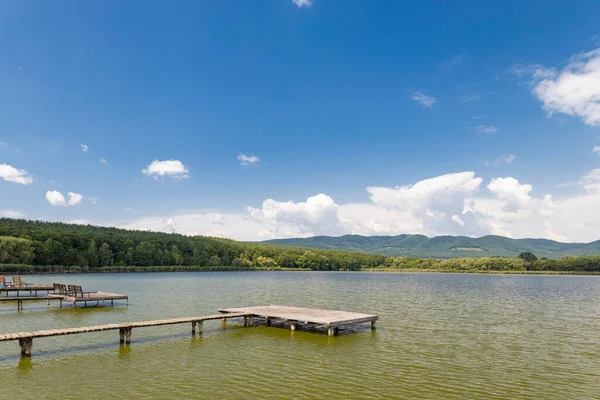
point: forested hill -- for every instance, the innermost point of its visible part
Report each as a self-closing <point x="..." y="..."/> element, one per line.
<point x="90" y="247"/>
<point x="444" y="246"/>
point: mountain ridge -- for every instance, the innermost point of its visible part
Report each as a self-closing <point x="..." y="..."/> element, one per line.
<point x="446" y="246"/>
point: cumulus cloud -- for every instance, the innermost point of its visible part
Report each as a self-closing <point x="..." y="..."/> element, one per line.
<point x="247" y="160"/>
<point x="486" y="129"/>
<point x="15" y="175"/>
<point x="596" y="150"/>
<point x="302" y="3"/>
<point x="171" y="168"/>
<point x="84" y="148"/>
<point x="574" y="90"/>
<point x="423" y="99"/>
<point x="317" y="213"/>
<point x="453" y="204"/>
<point x="56" y="198"/>
<point x="103" y="161"/>
<point x="433" y="201"/>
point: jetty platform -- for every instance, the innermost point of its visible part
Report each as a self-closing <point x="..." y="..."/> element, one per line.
<point x="88" y="297"/>
<point x="332" y="319"/>
<point x="31" y="288"/>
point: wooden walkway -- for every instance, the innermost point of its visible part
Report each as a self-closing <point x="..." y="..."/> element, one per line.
<point x="88" y="297"/>
<point x="330" y="319"/>
<point x="31" y="288"/>
<point x="26" y="338"/>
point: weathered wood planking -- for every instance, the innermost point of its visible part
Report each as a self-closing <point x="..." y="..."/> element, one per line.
<point x="98" y="328"/>
<point x="26" y="338"/>
<point x="88" y="297"/>
<point x="331" y="319"/>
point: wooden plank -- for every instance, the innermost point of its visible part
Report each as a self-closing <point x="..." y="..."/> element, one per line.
<point x="306" y="315"/>
<point x="126" y="325"/>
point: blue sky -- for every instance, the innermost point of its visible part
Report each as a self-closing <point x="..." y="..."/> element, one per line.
<point x="426" y="103"/>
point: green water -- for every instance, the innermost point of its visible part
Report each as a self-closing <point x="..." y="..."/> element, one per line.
<point x="439" y="336"/>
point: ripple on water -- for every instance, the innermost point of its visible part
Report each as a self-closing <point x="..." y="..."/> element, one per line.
<point x="439" y="336"/>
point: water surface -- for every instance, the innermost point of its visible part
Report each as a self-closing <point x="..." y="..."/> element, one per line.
<point x="449" y="336"/>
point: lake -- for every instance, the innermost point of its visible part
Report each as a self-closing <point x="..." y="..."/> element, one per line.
<point x="450" y="336"/>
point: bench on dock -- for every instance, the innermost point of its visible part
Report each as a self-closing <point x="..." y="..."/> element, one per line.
<point x="26" y="338"/>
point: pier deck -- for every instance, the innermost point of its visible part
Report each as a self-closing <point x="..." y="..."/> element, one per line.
<point x="26" y="288"/>
<point x="330" y="319"/>
<point x="26" y="338"/>
<point x="97" y="297"/>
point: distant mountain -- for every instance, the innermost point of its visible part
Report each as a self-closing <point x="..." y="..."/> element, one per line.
<point x="443" y="246"/>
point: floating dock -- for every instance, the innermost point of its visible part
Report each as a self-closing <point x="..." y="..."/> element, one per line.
<point x="331" y="319"/>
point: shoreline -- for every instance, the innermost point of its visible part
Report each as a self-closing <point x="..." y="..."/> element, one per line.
<point x="136" y="270"/>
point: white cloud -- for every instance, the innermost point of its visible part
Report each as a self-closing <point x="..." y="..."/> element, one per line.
<point x="56" y="198"/>
<point x="103" y="161"/>
<point x="453" y="204"/>
<point x="247" y="160"/>
<point x="575" y="90"/>
<point x="84" y="148"/>
<point x="468" y="97"/>
<point x="303" y="3"/>
<point x="318" y="213"/>
<point x="508" y="159"/>
<point x="75" y="198"/>
<point x="423" y="99"/>
<point x="596" y="149"/>
<point x="172" y="168"/>
<point x="3" y="145"/>
<point x="486" y="129"/>
<point x="432" y="201"/>
<point x="11" y="214"/>
<point x="12" y="174"/>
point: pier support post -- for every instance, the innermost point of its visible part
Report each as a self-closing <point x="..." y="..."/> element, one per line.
<point x="250" y="321"/>
<point x="293" y="326"/>
<point x="193" y="327"/>
<point x="26" y="345"/>
<point x="268" y="321"/>
<point x="19" y="305"/>
<point x="199" y="323"/>
<point x="122" y="335"/>
<point x="128" y="335"/>
<point x="331" y="331"/>
<point x="373" y="325"/>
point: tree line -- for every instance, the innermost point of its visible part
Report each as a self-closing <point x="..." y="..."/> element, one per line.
<point x="90" y="248"/>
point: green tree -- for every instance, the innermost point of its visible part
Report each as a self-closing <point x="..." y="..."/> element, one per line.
<point x="92" y="254"/>
<point x="105" y="255"/>
<point x="215" y="261"/>
<point x="143" y="255"/>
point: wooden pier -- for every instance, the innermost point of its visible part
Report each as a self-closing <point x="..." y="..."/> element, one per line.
<point x="331" y="319"/>
<point x="31" y="288"/>
<point x="26" y="338"/>
<point x="89" y="297"/>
